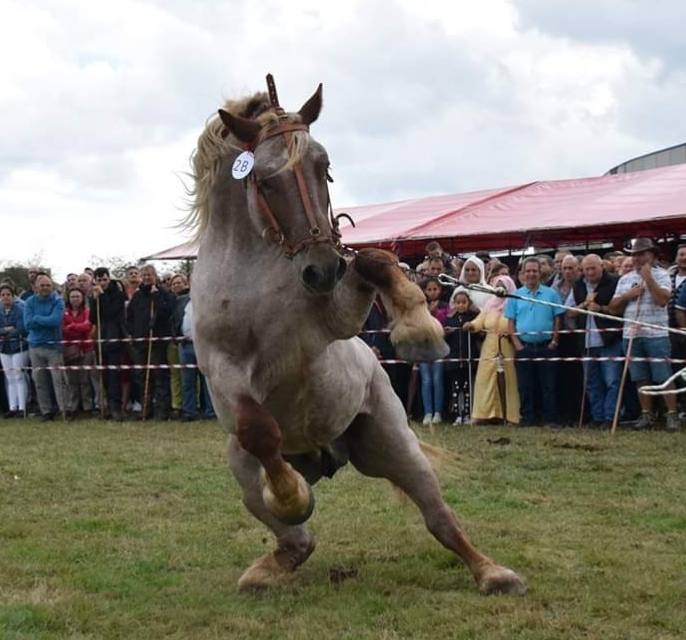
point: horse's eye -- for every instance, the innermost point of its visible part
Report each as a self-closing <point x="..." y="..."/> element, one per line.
<point x="328" y="174"/>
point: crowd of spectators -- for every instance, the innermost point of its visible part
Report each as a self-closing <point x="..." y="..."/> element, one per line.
<point x="136" y="327"/>
<point x="511" y="360"/>
<point x="530" y="363"/>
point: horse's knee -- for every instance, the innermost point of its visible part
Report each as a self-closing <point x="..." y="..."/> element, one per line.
<point x="376" y="266"/>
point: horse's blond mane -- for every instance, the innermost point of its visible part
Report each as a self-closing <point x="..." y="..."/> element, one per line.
<point x="211" y="148"/>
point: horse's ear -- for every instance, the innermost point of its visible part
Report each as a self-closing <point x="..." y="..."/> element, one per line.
<point x="309" y="112"/>
<point x="245" y="130"/>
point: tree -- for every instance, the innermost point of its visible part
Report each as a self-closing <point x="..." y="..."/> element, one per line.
<point x="18" y="273"/>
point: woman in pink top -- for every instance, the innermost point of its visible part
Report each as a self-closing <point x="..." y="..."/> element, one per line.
<point x="76" y="327"/>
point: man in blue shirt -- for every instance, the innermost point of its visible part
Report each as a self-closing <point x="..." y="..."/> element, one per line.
<point x="534" y="330"/>
<point x="43" y="313"/>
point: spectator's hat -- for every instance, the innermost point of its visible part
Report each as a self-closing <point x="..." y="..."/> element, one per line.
<point x="639" y="245"/>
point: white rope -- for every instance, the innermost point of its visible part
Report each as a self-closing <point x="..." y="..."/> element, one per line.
<point x="661" y="389"/>
<point x="502" y="293"/>
<point x="651" y="390"/>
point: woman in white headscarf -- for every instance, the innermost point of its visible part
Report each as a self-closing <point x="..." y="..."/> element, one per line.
<point x="474" y="272"/>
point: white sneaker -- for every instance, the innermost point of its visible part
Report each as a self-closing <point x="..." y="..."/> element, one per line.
<point x="457" y="422"/>
<point x="437" y="418"/>
<point x="427" y="419"/>
<point x="467" y="420"/>
<point x="137" y="407"/>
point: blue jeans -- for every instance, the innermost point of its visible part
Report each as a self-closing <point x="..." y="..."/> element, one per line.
<point x="659" y="348"/>
<point x="537" y="383"/>
<point x="602" y="381"/>
<point x="431" y="374"/>
<point x="189" y="385"/>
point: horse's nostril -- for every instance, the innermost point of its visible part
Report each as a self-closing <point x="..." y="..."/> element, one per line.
<point x="310" y="276"/>
<point x="342" y="266"/>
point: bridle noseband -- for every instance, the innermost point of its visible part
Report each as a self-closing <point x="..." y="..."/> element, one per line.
<point x="274" y="229"/>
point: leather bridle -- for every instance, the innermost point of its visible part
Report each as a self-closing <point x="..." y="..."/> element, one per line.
<point x="274" y="229"/>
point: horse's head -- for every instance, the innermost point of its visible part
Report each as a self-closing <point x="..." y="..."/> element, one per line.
<point x="287" y="189"/>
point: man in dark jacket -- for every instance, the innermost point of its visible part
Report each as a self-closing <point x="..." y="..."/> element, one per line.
<point x="192" y="378"/>
<point x="107" y="315"/>
<point x="594" y="292"/>
<point x="148" y="315"/>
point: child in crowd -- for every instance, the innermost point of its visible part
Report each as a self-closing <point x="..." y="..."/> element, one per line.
<point x="459" y="374"/>
<point x="431" y="373"/>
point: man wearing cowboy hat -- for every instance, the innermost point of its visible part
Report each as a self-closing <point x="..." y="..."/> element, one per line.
<point x="643" y="294"/>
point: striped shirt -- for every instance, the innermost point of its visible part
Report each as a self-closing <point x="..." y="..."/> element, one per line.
<point x="648" y="311"/>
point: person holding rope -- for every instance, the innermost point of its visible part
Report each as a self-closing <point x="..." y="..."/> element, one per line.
<point x="149" y="315"/>
<point x="601" y="377"/>
<point x="534" y="329"/>
<point x="643" y="294"/>
<point x="107" y="316"/>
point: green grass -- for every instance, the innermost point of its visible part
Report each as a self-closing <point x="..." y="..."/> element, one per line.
<point x="137" y="531"/>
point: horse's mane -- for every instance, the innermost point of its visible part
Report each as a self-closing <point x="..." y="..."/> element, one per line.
<point x="211" y="148"/>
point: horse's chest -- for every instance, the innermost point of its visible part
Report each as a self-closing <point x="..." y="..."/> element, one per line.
<point x="313" y="412"/>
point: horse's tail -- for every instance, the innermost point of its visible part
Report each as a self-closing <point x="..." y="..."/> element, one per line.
<point x="437" y="456"/>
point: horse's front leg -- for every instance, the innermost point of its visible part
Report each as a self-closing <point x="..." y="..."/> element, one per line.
<point x="416" y="335"/>
<point x="285" y="493"/>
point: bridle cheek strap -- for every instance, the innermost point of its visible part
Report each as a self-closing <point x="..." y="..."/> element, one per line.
<point x="274" y="228"/>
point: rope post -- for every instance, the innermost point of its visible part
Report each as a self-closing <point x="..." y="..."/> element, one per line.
<point x="101" y="384"/>
<point x="146" y="391"/>
<point x="585" y="366"/>
<point x="627" y="358"/>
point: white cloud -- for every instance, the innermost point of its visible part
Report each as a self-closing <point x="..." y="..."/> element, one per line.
<point x="102" y="102"/>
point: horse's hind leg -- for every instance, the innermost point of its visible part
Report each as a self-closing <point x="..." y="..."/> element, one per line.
<point x="294" y="544"/>
<point x="382" y="445"/>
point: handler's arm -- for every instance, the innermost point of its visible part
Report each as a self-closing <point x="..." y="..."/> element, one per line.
<point x="660" y="295"/>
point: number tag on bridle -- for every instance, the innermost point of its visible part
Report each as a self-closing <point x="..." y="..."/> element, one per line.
<point x="243" y="164"/>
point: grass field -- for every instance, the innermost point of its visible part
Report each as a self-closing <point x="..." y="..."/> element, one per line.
<point x="137" y="531"/>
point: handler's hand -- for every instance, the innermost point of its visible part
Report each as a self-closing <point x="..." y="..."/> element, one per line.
<point x="633" y="293"/>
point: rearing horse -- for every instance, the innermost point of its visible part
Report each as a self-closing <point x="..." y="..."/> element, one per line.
<point x="276" y="311"/>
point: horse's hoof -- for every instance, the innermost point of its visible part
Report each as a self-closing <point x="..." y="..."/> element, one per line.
<point x="497" y="579"/>
<point x="294" y="511"/>
<point x="264" y="573"/>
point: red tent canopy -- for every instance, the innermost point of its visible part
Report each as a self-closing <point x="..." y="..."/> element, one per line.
<point x="542" y="213"/>
<point x="546" y="213"/>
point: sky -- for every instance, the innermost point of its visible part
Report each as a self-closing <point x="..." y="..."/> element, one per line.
<point x="101" y="102"/>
